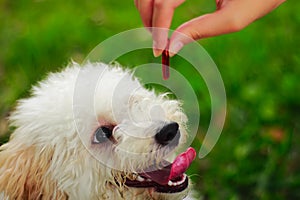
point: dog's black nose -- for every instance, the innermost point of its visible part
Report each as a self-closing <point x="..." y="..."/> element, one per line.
<point x="168" y="133"/>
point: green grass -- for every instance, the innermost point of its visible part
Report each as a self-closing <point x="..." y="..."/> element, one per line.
<point x="258" y="154"/>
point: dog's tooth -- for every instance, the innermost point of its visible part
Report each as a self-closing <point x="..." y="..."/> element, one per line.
<point x="182" y="180"/>
<point x="170" y="183"/>
<point x="148" y="180"/>
<point x="139" y="178"/>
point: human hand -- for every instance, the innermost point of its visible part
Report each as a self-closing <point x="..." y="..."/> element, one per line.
<point x="230" y="16"/>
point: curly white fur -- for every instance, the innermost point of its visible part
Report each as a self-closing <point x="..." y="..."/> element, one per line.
<point x="50" y="155"/>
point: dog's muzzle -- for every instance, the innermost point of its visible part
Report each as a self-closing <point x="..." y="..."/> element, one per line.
<point x="166" y="177"/>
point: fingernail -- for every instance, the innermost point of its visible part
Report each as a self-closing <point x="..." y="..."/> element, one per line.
<point x="156" y="52"/>
<point x="175" y="48"/>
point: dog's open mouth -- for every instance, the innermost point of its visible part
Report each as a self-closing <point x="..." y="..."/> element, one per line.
<point x="169" y="179"/>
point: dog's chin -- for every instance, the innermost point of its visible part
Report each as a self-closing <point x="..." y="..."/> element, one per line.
<point x="151" y="193"/>
<point x="175" y="196"/>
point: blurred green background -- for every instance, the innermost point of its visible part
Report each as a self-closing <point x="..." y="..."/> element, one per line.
<point x="258" y="154"/>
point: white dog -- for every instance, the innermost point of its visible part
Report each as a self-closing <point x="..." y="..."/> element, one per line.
<point x="94" y="132"/>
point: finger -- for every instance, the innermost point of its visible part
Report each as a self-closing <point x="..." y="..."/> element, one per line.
<point x="232" y="16"/>
<point x="145" y="8"/>
<point x="201" y="27"/>
<point x="162" y="18"/>
<point x="163" y="12"/>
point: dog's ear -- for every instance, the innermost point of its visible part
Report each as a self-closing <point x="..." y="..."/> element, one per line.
<point x="23" y="172"/>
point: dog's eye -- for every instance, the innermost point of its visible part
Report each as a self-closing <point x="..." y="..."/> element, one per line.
<point x="102" y="134"/>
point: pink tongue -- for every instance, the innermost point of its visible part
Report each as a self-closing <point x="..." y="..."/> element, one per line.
<point x="171" y="171"/>
<point x="182" y="163"/>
